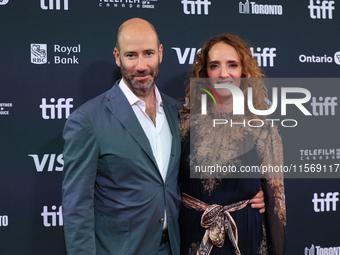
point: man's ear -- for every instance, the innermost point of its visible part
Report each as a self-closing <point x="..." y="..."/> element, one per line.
<point x="160" y="53"/>
<point x="116" y="53"/>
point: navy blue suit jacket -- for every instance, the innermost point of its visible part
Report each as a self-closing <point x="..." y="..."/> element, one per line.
<point x="114" y="197"/>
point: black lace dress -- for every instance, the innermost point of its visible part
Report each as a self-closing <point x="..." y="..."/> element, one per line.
<point x="236" y="147"/>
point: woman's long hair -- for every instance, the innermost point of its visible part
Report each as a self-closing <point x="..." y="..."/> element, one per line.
<point x="250" y="69"/>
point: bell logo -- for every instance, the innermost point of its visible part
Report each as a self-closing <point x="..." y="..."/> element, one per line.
<point x="53" y="3"/>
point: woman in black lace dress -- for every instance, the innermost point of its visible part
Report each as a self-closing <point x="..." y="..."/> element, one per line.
<point x="216" y="217"/>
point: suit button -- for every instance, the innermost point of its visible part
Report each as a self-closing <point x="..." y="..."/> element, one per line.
<point x="161" y="220"/>
<point x="165" y="186"/>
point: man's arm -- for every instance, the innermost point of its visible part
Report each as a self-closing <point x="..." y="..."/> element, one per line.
<point x="80" y="167"/>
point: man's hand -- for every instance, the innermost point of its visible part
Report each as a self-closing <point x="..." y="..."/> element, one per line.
<point x="258" y="201"/>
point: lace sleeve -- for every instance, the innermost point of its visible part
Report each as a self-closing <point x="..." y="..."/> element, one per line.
<point x="183" y="123"/>
<point x="271" y="151"/>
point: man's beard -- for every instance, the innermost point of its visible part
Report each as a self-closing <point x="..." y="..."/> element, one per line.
<point x="129" y="77"/>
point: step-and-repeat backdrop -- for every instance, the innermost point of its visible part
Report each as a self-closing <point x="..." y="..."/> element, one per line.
<point x="57" y="54"/>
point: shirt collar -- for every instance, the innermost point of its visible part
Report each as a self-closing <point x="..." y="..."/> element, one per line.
<point x="133" y="99"/>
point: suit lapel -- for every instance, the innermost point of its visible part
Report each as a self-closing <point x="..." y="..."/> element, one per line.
<point x="172" y="117"/>
<point x="122" y="110"/>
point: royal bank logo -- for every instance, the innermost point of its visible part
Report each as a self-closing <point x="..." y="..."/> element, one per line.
<point x="130" y="4"/>
<point x="193" y="7"/>
<point x="3" y="2"/>
<point x="54" y="4"/>
<point x="259" y="9"/>
<point x="38" y="53"/>
<point x="321" y="10"/>
<point x="62" y="54"/>
<point x="318" y="250"/>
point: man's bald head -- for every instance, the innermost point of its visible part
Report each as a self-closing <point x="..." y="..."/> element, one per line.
<point x="135" y="23"/>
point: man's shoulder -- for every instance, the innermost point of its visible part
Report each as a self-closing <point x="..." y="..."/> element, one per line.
<point x="171" y="101"/>
<point x="96" y="105"/>
<point x="93" y="104"/>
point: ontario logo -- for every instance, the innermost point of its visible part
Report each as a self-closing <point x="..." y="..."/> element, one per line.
<point x="38" y="53"/>
<point x="238" y="102"/>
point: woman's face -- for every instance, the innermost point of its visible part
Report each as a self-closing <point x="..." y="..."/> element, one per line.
<point x="224" y="66"/>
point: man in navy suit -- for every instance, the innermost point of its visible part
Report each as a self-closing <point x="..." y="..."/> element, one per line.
<point x="122" y="150"/>
<point x="121" y="159"/>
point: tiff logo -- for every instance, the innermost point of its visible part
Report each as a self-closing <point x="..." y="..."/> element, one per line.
<point x="325" y="106"/>
<point x="193" y="4"/>
<point x="267" y="56"/>
<point x="321" y="203"/>
<point x="319" y="11"/>
<point x="182" y="58"/>
<point x="51" y="3"/>
<point x="49" y="110"/>
<point x="51" y="218"/>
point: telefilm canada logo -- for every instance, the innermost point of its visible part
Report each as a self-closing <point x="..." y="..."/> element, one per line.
<point x="62" y="54"/>
<point x="239" y="103"/>
<point x="130" y="4"/>
<point x="259" y="9"/>
<point x="319" y="154"/>
<point x="319" y="250"/>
